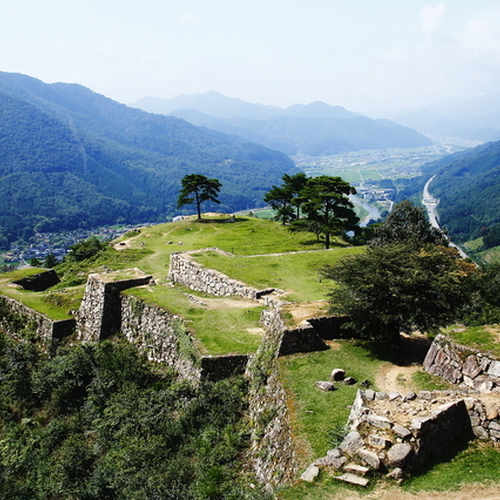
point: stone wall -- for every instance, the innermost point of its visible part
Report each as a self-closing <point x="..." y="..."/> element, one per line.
<point x="272" y="453"/>
<point x="184" y="270"/>
<point x="462" y="365"/>
<point x="397" y="434"/>
<point x="15" y="316"/>
<point x="161" y="335"/>
<point x="99" y="315"/>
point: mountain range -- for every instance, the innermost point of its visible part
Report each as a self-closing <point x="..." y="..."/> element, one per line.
<point x="472" y="119"/>
<point x="314" y="129"/>
<point x="72" y="158"/>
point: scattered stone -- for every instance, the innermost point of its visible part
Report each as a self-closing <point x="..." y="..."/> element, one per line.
<point x="349" y="381"/>
<point x="310" y="474"/>
<point x="380" y="396"/>
<point x="427" y="395"/>
<point x="353" y="479"/>
<point x="351" y="443"/>
<point x="365" y="383"/>
<point x="359" y="470"/>
<point x="370" y="458"/>
<point x="401" y="432"/>
<point x="338" y="374"/>
<point x="325" y="386"/>
<point x="379" y="422"/>
<point x="494" y="369"/>
<point x="379" y="442"/>
<point x="399" y="454"/>
<point x="394" y="395"/>
<point x="334" y="453"/>
<point x="397" y="474"/>
<point x="370" y="394"/>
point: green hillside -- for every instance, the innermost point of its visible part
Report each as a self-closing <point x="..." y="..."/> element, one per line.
<point x="71" y="158"/>
<point x="467" y="186"/>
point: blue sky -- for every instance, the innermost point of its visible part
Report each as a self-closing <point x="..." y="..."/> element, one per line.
<point x="360" y="54"/>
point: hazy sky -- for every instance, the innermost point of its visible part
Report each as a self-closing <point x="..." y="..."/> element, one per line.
<point x="360" y="54"/>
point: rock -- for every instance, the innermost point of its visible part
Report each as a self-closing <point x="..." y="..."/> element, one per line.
<point x="494" y="369"/>
<point x="338" y="374"/>
<point x="349" y="381"/>
<point x="380" y="442"/>
<point x="353" y="479"/>
<point x="370" y="458"/>
<point x="394" y="395"/>
<point x="310" y="474"/>
<point x="325" y="386"/>
<point x="427" y="395"/>
<point x="359" y="470"/>
<point x="365" y="383"/>
<point x="351" y="443"/>
<point x="397" y="474"/>
<point x="398" y="455"/>
<point x="370" y="395"/>
<point x="379" y="422"/>
<point x="401" y="432"/>
<point x="331" y="461"/>
<point x="491" y="411"/>
<point x="471" y="367"/>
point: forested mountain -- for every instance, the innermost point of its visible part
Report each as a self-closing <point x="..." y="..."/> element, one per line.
<point x="468" y="187"/>
<point x="71" y="158"/>
<point x="313" y="129"/>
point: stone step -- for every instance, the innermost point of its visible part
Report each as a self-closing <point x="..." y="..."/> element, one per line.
<point x="353" y="479"/>
<point x="359" y="470"/>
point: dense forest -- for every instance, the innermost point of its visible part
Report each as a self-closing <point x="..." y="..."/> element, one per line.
<point x="98" y="422"/>
<point x="71" y="158"/>
<point x="467" y="185"/>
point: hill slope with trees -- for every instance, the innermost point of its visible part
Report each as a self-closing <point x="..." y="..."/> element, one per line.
<point x="71" y="158"/>
<point x="467" y="186"/>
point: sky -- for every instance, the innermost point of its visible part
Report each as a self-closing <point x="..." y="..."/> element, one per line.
<point x="360" y="54"/>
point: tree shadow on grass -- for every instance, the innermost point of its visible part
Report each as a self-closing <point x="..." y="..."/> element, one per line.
<point x="411" y="350"/>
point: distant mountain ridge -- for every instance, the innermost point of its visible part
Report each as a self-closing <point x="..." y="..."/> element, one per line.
<point x="315" y="129"/>
<point x="71" y="158"/>
<point x="475" y="119"/>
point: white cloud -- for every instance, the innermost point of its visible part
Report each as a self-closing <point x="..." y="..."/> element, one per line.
<point x="188" y="21"/>
<point x="430" y="18"/>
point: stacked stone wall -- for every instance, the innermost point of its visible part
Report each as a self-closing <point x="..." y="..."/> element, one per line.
<point x="161" y="335"/>
<point x="462" y="365"/>
<point x="427" y="424"/>
<point x="14" y="316"/>
<point x="272" y="453"/>
<point x="184" y="270"/>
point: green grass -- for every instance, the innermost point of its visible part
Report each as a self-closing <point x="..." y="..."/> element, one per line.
<point x="485" y="338"/>
<point x="298" y="274"/>
<point x="318" y="412"/>
<point x="54" y="305"/>
<point x="221" y="326"/>
<point x="479" y="463"/>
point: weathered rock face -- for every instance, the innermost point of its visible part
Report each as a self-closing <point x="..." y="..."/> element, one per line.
<point x="462" y="365"/>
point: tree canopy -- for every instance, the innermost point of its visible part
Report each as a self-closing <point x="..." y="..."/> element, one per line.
<point x="401" y="288"/>
<point x="196" y="189"/>
<point x="325" y="201"/>
<point x="322" y="204"/>
<point x="407" y="223"/>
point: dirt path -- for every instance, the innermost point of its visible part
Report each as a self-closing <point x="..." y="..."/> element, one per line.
<point x="395" y="378"/>
<point x="471" y="492"/>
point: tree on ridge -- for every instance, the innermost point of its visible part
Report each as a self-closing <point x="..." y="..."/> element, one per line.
<point x="196" y="189"/>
